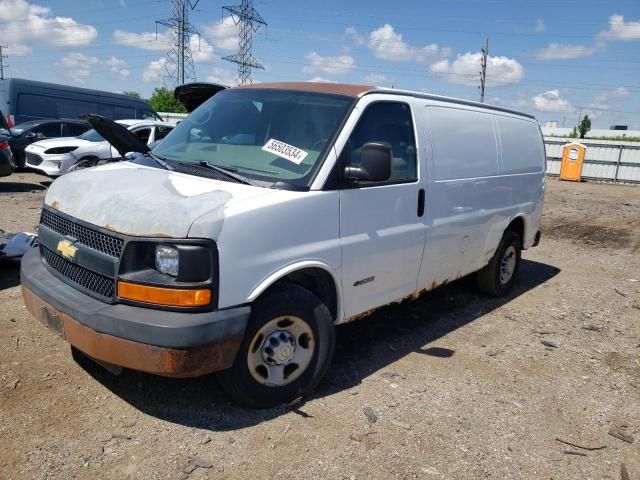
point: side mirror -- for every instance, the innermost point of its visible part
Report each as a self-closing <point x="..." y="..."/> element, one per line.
<point x="375" y="164"/>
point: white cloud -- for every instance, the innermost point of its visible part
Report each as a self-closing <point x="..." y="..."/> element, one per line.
<point x="222" y="76"/>
<point x="26" y="24"/>
<point x="559" y="51"/>
<point x="350" y="33"/>
<point x="386" y="44"/>
<point x="540" y="26"/>
<point x="320" y="80"/>
<point x="146" y="40"/>
<point x="621" y="30"/>
<point x="551" y="101"/>
<point x="465" y="70"/>
<point x="375" y="78"/>
<point x="117" y="66"/>
<point x="329" y="65"/>
<point x="201" y="50"/>
<point x="604" y="100"/>
<point x="77" y="66"/>
<point x="17" y="50"/>
<point x="223" y="34"/>
<point x="155" y="70"/>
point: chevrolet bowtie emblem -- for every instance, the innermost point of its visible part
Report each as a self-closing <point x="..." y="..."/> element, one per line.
<point x="67" y="250"/>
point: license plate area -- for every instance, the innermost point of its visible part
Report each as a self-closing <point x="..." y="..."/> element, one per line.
<point x="52" y="320"/>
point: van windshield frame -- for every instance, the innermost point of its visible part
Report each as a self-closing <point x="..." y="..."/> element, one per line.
<point x="234" y="130"/>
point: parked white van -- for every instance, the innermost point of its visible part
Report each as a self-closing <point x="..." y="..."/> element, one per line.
<point x="273" y="213"/>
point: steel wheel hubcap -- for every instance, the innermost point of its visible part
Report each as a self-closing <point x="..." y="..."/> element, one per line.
<point x="508" y="264"/>
<point x="280" y="351"/>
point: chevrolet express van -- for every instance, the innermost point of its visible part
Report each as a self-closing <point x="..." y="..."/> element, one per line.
<point x="274" y="212"/>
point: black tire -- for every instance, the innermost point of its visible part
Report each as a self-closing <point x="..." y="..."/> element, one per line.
<point x="489" y="279"/>
<point x="288" y="300"/>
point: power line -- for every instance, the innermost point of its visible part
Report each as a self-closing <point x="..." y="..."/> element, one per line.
<point x="179" y="64"/>
<point x="250" y="21"/>
<point x="483" y="71"/>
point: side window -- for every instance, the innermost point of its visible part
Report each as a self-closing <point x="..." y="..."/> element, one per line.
<point x="390" y="123"/>
<point x="75" y="129"/>
<point x="522" y="150"/>
<point x="162" y="132"/>
<point x="143" y="133"/>
<point x="48" y="130"/>
<point x="464" y="143"/>
<point x="149" y="115"/>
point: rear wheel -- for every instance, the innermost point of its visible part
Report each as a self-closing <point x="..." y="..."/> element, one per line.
<point x="286" y="349"/>
<point x="498" y="276"/>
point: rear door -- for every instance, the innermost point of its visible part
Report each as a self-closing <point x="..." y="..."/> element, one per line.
<point x="381" y="224"/>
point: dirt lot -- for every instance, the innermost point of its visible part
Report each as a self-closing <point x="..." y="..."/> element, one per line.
<point x="460" y="386"/>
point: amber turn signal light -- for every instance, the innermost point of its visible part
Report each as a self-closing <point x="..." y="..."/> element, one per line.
<point x="171" y="297"/>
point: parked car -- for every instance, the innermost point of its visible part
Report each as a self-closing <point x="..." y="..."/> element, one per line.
<point x="6" y="157"/>
<point x="54" y="157"/>
<point x="274" y="212"/>
<point x="34" y="131"/>
<point x="25" y="100"/>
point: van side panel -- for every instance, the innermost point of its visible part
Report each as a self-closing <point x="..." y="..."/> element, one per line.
<point x="523" y="168"/>
<point x="31" y="100"/>
<point x="464" y="196"/>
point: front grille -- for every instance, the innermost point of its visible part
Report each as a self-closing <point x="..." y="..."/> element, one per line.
<point x="33" y="159"/>
<point x="91" y="238"/>
<point x="99" y="284"/>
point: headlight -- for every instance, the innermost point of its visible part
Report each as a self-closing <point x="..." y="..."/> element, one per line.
<point x="59" y="150"/>
<point x="167" y="260"/>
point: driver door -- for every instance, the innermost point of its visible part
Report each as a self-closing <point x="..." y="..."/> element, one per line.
<point x="382" y="226"/>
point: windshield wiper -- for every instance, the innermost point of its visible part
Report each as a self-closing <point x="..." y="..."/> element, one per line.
<point x="159" y="160"/>
<point x="228" y="171"/>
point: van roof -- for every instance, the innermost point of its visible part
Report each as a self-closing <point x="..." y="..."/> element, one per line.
<point x="360" y="90"/>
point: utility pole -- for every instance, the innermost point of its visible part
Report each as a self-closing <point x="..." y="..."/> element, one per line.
<point x="483" y="71"/>
<point x="2" y="65"/>
<point x="179" y="64"/>
<point x="249" y="21"/>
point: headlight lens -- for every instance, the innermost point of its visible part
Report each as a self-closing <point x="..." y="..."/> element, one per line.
<point x="167" y="260"/>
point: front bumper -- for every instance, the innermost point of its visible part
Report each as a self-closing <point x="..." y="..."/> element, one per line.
<point x="172" y="344"/>
<point x="52" y="165"/>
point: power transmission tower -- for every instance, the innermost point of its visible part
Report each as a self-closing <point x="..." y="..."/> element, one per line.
<point x="2" y="65"/>
<point x="250" y="21"/>
<point x="483" y="71"/>
<point x="179" y="65"/>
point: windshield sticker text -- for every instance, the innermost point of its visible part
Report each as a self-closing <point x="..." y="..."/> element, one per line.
<point x="284" y="150"/>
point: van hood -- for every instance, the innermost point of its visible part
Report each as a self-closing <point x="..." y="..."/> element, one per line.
<point x="144" y="201"/>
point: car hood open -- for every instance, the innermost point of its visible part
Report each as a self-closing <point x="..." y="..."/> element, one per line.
<point x="143" y="201"/>
<point x="123" y="140"/>
<point x="192" y="95"/>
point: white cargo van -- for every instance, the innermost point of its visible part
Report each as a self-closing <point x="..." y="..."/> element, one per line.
<point x="271" y="214"/>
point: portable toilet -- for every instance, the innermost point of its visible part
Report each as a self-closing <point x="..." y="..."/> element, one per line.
<point x="572" y="161"/>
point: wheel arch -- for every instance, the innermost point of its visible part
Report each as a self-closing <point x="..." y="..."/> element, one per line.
<point x="315" y="276"/>
<point x="518" y="225"/>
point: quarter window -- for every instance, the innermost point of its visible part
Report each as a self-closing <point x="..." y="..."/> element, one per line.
<point x="389" y="123"/>
<point x="143" y="134"/>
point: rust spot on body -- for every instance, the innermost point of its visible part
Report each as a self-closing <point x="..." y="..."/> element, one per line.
<point x="155" y="235"/>
<point x="56" y="205"/>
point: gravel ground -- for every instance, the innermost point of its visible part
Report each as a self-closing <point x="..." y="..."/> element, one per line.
<point x="453" y="385"/>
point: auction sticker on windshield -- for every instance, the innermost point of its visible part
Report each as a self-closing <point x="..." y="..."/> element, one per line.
<point x="284" y="150"/>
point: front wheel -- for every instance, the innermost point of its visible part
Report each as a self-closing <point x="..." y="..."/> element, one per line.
<point x="497" y="278"/>
<point x="286" y="349"/>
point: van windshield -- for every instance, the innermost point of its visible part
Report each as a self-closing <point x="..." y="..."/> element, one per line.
<point x="264" y="134"/>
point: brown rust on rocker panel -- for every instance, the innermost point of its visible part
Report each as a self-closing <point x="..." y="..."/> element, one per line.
<point x="169" y="362"/>
<point x="414" y="296"/>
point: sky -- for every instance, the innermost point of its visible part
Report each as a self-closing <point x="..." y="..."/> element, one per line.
<point x="556" y="59"/>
